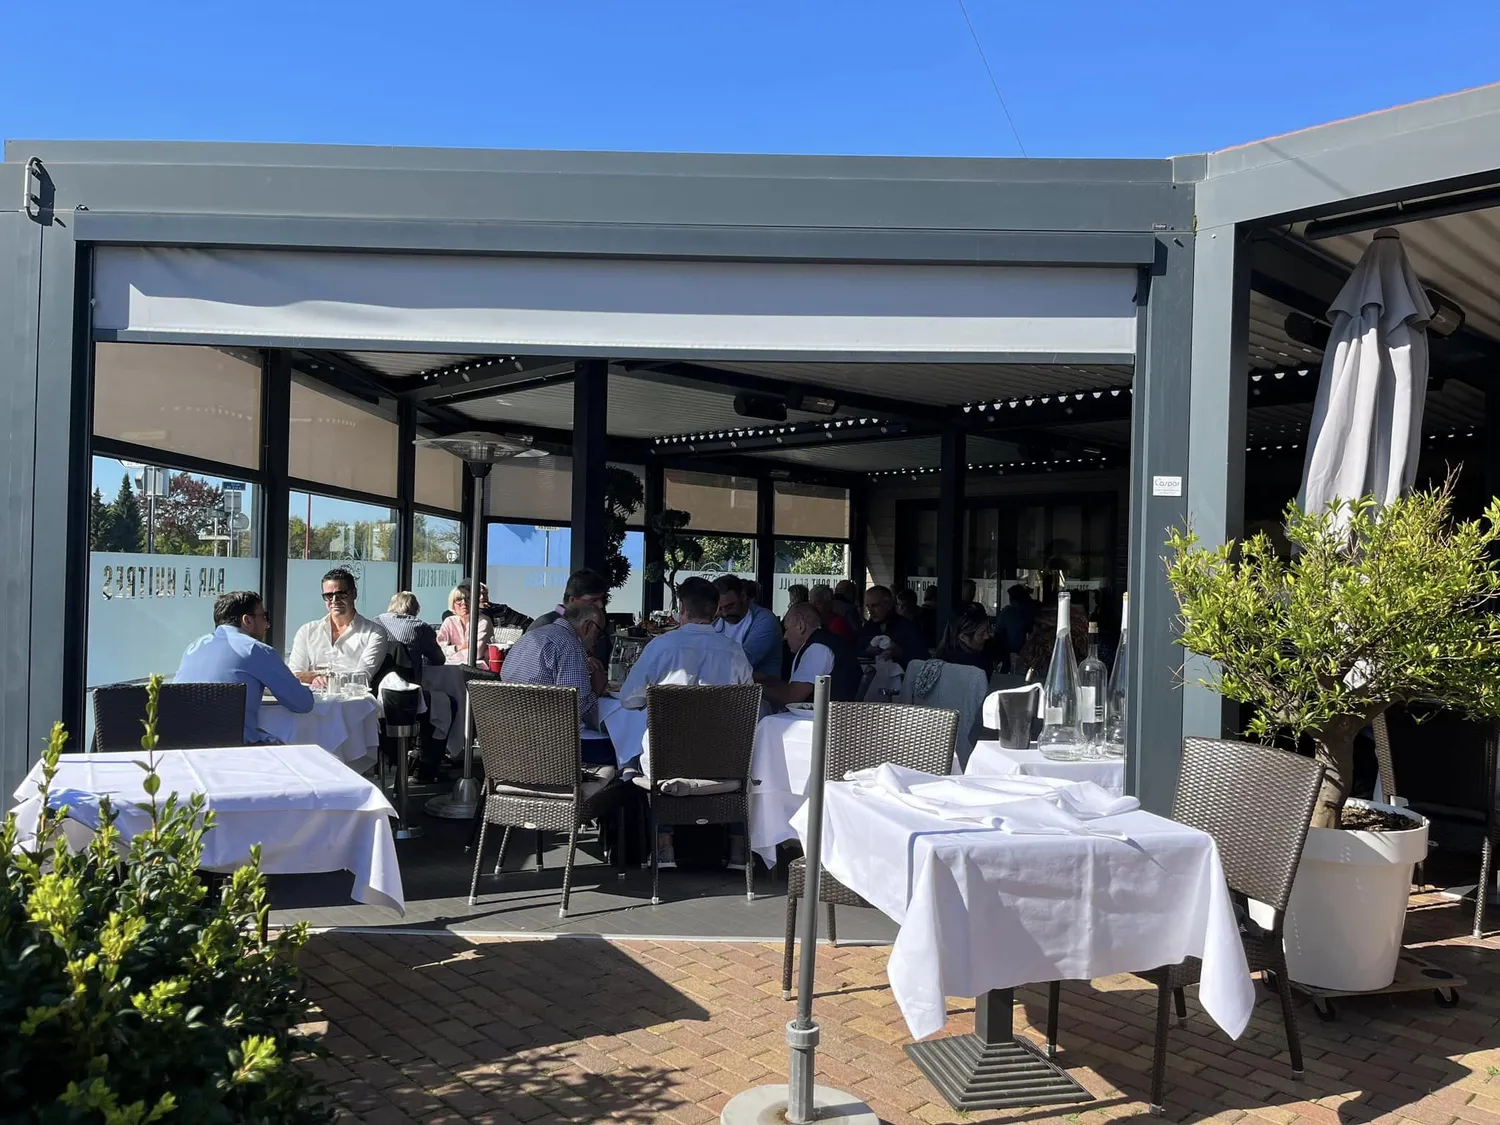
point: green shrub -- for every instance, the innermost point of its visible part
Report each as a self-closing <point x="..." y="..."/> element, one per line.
<point x="129" y="993"/>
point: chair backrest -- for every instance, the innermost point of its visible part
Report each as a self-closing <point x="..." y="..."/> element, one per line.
<point x="861" y="735"/>
<point x="1257" y="803"/>
<point x="1436" y="760"/>
<point x="528" y="733"/>
<point x="706" y="732"/>
<point x="188" y="716"/>
<point x="960" y="687"/>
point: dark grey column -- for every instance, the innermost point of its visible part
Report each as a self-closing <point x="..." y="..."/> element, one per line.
<point x="1492" y="439"/>
<point x="859" y="531"/>
<point x="652" y="593"/>
<point x="20" y="287"/>
<point x="765" y="538"/>
<point x="1159" y="449"/>
<point x="276" y="425"/>
<point x="953" y="467"/>
<point x="590" y="449"/>
<point x="406" y="487"/>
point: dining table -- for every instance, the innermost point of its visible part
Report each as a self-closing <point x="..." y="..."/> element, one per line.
<point x="306" y="809"/>
<point x="1002" y="882"/>
<point x="990" y="759"/>
<point x="348" y="727"/>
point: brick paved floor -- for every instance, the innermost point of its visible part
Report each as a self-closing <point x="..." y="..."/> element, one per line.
<point x="454" y="1029"/>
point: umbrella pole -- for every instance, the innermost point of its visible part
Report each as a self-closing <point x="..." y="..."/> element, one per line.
<point x="801" y="1100"/>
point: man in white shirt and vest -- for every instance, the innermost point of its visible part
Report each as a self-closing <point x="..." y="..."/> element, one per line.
<point x="343" y="641"/>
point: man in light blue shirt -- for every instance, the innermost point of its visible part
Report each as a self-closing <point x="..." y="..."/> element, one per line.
<point x="757" y="629"/>
<point x="235" y="652"/>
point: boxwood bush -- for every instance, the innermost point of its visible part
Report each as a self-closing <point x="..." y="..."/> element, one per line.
<point x="130" y="992"/>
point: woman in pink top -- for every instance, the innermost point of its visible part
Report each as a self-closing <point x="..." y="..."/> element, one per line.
<point x="453" y="634"/>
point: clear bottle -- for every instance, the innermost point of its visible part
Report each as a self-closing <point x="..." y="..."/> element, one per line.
<point x="1060" y="739"/>
<point x="1117" y="716"/>
<point x="1093" y="689"/>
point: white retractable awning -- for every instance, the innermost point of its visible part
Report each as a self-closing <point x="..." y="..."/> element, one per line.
<point x="591" y="306"/>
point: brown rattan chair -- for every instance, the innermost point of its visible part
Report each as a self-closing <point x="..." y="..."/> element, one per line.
<point x="862" y="735"/>
<point x="1257" y="804"/>
<point x="189" y="716"/>
<point x="705" y="734"/>
<point x="533" y="769"/>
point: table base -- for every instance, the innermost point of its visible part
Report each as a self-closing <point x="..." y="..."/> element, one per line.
<point x="992" y="1069"/>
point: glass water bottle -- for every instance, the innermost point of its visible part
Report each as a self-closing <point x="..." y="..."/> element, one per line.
<point x="1060" y="739"/>
<point x="1117" y="716"/>
<point x="1093" y="691"/>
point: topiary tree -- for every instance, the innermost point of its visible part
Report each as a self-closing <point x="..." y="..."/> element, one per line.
<point x="679" y="551"/>
<point x="131" y="994"/>
<point x="623" y="496"/>
<point x="1396" y="607"/>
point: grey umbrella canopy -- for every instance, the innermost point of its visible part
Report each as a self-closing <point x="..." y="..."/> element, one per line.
<point x="1366" y="430"/>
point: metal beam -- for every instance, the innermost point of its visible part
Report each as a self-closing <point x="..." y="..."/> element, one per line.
<point x="590" y="462"/>
<point x="481" y="377"/>
<point x="765" y="538"/>
<point x="406" y="488"/>
<point x="276" y="426"/>
<point x="656" y="492"/>
<point x="950" y="525"/>
<point x="701" y="377"/>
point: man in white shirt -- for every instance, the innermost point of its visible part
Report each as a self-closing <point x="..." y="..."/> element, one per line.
<point x="343" y="641"/>
<point x="816" y="651"/>
<point x="691" y="655"/>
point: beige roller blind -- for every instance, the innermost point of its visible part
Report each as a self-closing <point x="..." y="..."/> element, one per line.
<point x="440" y="479"/>
<point x="202" y="402"/>
<point x="532" y="490"/>
<point x="811" y="510"/>
<point x="716" y="503"/>
<point x="337" y="442"/>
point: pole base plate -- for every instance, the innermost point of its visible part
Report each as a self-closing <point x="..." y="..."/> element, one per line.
<point x="972" y="1074"/>
<point x="461" y="804"/>
<point x="766" y="1105"/>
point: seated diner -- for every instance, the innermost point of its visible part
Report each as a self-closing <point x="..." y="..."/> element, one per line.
<point x="342" y="641"/>
<point x="815" y="652"/>
<point x="557" y="654"/>
<point x="453" y="633"/>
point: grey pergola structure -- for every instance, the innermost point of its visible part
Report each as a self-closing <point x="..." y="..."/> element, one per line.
<point x="69" y="208"/>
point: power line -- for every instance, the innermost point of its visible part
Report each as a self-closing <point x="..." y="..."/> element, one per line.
<point x="996" y="85"/>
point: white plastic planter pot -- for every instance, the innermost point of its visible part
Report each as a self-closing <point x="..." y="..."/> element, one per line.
<point x="1347" y="912"/>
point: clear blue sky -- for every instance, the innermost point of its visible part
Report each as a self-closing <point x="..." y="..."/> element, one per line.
<point x="1087" y="78"/>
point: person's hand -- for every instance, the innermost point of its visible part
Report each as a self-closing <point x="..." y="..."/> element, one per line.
<point x="305" y="677"/>
<point x="595" y="668"/>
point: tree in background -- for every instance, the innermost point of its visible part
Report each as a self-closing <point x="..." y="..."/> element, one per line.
<point x="803" y="556"/>
<point x="126" y="531"/>
<point x="191" y="509"/>
<point x="101" y="523"/>
<point x="679" y="549"/>
<point x="623" y="496"/>
<point x="436" y="540"/>
<point x="727" y="553"/>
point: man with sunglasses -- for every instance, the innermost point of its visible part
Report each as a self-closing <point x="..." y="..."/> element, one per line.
<point x="343" y="641"/>
<point x="236" y="652"/>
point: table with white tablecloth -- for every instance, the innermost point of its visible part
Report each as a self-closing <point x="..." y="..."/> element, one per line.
<point x="349" y="729"/>
<point x="307" y="810"/>
<point x="779" y="768"/>
<point x="990" y="759"/>
<point x="984" y="909"/>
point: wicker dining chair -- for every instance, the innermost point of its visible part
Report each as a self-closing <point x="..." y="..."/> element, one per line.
<point x="861" y="735"/>
<point x="189" y="716"/>
<point x="533" y="769"/>
<point x="1257" y="804"/>
<point x="704" y="735"/>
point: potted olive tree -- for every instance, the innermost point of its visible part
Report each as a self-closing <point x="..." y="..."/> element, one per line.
<point x="1375" y="607"/>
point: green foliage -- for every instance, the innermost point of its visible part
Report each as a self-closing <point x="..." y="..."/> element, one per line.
<point x="802" y="556"/>
<point x="623" y="495"/>
<point x="434" y="539"/>
<point x="101" y="523"/>
<point x="680" y="551"/>
<point x="128" y="993"/>
<point x="1382" y="607"/>
<point x="122" y="528"/>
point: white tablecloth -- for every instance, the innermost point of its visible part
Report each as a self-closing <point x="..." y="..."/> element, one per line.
<point x="990" y="759"/>
<point x="349" y="729"/>
<point x="779" y="769"/>
<point x="307" y="810"/>
<point x="627" y="729"/>
<point x="982" y="909"/>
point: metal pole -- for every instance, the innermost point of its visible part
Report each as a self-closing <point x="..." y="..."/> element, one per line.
<point x="802" y="1033"/>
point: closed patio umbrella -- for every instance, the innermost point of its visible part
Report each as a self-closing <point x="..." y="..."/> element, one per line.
<point x="1366" y="429"/>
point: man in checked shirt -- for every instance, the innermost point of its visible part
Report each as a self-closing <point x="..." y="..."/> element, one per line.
<point x="558" y="654"/>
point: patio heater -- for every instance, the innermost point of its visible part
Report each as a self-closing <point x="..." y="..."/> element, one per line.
<point x="479" y="452"/>
<point x="801" y="1101"/>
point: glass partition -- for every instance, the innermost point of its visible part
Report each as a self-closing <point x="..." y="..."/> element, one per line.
<point x="808" y="563"/>
<point x="163" y="545"/>
<point x="437" y="562"/>
<point x="722" y="554"/>
<point x="324" y="532"/>
<point x="528" y="566"/>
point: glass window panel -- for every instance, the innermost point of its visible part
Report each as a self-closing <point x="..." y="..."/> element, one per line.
<point x="808" y="563"/>
<point x="163" y="545"/>
<point x="527" y="568"/>
<point x="638" y="517"/>
<point x="440" y="480"/>
<point x="812" y="509"/>
<point x="437" y="562"/>
<point x="722" y="554"/>
<point x="324" y="532"/>
<point x="203" y="402"/>
<point x="716" y="503"/>
<point x="340" y="443"/>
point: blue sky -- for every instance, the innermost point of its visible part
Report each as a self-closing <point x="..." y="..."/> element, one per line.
<point x="1086" y="78"/>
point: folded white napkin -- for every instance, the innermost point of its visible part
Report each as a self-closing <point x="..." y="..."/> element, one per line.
<point x="1019" y="805"/>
